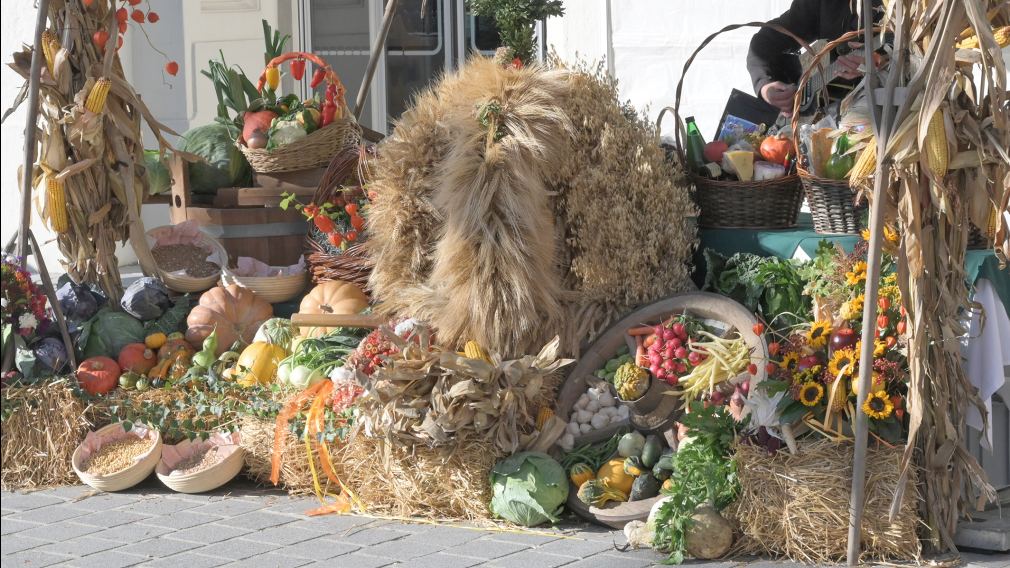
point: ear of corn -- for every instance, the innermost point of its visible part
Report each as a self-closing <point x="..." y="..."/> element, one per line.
<point x="936" y="145"/>
<point x="473" y="350"/>
<point x="543" y="416"/>
<point x="1002" y="34"/>
<point x="866" y="163"/>
<point x="99" y="93"/>
<point x="56" y="204"/>
<point x="50" y="46"/>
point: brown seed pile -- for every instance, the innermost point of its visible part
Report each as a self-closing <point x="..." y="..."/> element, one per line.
<point x="199" y="461"/>
<point x="190" y="258"/>
<point x="117" y="456"/>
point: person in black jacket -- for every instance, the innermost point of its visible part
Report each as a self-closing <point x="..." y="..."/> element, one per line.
<point x="772" y="60"/>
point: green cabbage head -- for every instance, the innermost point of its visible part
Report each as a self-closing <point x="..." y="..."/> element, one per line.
<point x="108" y="332"/>
<point x="529" y="488"/>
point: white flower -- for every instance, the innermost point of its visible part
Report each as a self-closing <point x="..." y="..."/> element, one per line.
<point x="405" y="327"/>
<point x="342" y="374"/>
<point x="27" y="321"/>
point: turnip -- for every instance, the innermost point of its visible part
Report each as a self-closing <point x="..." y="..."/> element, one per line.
<point x="593" y="406"/>
<point x="710" y="536"/>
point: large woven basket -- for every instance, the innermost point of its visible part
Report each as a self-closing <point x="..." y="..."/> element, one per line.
<point x="126" y="478"/>
<point x="316" y="149"/>
<point x="767" y="204"/>
<point x="833" y="205"/>
<point x="351" y="265"/>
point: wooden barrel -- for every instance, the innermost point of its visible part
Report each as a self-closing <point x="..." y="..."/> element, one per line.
<point x="247" y="221"/>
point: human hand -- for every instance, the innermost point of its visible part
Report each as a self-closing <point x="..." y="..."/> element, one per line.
<point x="779" y="95"/>
<point x="849" y="63"/>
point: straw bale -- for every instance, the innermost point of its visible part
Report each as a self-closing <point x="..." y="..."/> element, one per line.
<point x="42" y="426"/>
<point x="258" y="443"/>
<point x="797" y="506"/>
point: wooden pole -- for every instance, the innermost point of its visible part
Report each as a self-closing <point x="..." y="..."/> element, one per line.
<point x="373" y="58"/>
<point x="882" y="117"/>
<point x="31" y="126"/>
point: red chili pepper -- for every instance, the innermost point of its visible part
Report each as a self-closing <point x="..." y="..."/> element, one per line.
<point x="317" y="78"/>
<point x="297" y="69"/>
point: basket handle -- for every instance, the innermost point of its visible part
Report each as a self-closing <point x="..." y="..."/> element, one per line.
<point x="690" y="60"/>
<point x="805" y="78"/>
<point x="330" y="76"/>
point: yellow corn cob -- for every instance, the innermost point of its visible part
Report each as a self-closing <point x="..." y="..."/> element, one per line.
<point x="866" y="163"/>
<point x="1002" y="38"/>
<point x="473" y="350"/>
<point x="543" y="416"/>
<point x="991" y="224"/>
<point x="96" y="98"/>
<point x="50" y="45"/>
<point x="936" y="145"/>
<point x="56" y="204"/>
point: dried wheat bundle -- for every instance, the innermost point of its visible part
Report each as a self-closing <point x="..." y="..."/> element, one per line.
<point x="797" y="506"/>
<point x="947" y="163"/>
<point x="492" y="201"/>
<point x="89" y="164"/>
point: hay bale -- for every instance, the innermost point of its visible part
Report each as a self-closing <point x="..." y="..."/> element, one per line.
<point x="797" y="506"/>
<point x="416" y="481"/>
<point x="258" y="443"/>
<point x="42" y="426"/>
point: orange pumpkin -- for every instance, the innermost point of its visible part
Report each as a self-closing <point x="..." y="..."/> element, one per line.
<point x="138" y="358"/>
<point x="98" y="375"/>
<point x="235" y="312"/>
<point x="776" y="149"/>
<point x="333" y="297"/>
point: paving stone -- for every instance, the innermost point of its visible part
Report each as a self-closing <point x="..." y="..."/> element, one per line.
<point x="187" y="560"/>
<point x="645" y="554"/>
<point x="604" y="561"/>
<point x="91" y="501"/>
<point x="80" y="546"/>
<point x="228" y="507"/>
<point x="235" y="549"/>
<point x="404" y="549"/>
<point x="159" y="506"/>
<point x="57" y="532"/>
<point x="529" y="539"/>
<point x="486" y="548"/>
<point x="159" y="547"/>
<point x="286" y="535"/>
<point x="257" y="520"/>
<point x="336" y="524"/>
<point x="441" y="560"/>
<point x="33" y="558"/>
<point x="182" y="520"/>
<point x="322" y="548"/>
<point x="369" y="536"/>
<point x="214" y="532"/>
<point x="446" y="537"/>
<point x="110" y="518"/>
<point x="17" y="543"/>
<point x="532" y="558"/>
<point x="271" y="560"/>
<point x="132" y="532"/>
<point x="977" y="560"/>
<point x="67" y="492"/>
<point x="48" y="515"/>
<point x="11" y="526"/>
<point x="108" y="559"/>
<point x="28" y="501"/>
<point x="292" y="506"/>
<point x="357" y="560"/>
<point x="576" y="547"/>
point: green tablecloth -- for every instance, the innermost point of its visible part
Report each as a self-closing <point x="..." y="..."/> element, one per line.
<point x="785" y="243"/>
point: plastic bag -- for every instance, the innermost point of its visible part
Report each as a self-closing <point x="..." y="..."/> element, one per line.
<point x="146" y="299"/>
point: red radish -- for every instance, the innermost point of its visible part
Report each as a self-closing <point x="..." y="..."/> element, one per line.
<point x="153" y="17"/>
<point x="680" y="353"/>
<point x="660" y="344"/>
<point x="668" y="334"/>
<point x="678" y="328"/>
<point x="670" y="352"/>
<point x="658" y="330"/>
<point x="676" y="342"/>
<point x="662" y="375"/>
<point x="668" y="365"/>
<point x="681" y="368"/>
<point x="101" y="37"/>
<point x="673" y="380"/>
<point x="655" y="359"/>
<point x="843" y="338"/>
<point x="694" y="358"/>
<point x="655" y="369"/>
<point x="172" y="68"/>
<point x="256" y="121"/>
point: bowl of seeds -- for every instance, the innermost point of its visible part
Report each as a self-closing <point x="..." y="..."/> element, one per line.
<point x="188" y="259"/>
<point x="197" y="466"/>
<point x="113" y="458"/>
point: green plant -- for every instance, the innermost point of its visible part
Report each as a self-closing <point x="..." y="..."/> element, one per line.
<point x="515" y="20"/>
<point x="770" y="286"/>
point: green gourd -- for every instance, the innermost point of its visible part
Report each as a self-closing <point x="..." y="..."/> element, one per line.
<point x="651" y="451"/>
<point x="645" y="487"/>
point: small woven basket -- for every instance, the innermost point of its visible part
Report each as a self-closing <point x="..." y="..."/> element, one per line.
<point x="272" y="289"/>
<point x="126" y="478"/>
<point x="351" y="265"/>
<point x="316" y="149"/>
<point x="833" y="205"/>
<point x="191" y="284"/>
<point x="205" y="480"/>
<point x="766" y="204"/>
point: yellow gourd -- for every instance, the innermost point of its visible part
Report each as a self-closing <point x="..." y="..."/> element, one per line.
<point x="580" y="473"/>
<point x="155" y="340"/>
<point x="257" y="365"/>
<point x="613" y="471"/>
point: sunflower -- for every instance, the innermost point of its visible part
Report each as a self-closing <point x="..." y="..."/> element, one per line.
<point x="877" y="383"/>
<point x="790" y="360"/>
<point x="811" y="393"/>
<point x="843" y="362"/>
<point x="819" y="333"/>
<point x="890" y="234"/>
<point x="879" y="347"/>
<point x="853" y="309"/>
<point x="878" y="405"/>
<point x="857" y="275"/>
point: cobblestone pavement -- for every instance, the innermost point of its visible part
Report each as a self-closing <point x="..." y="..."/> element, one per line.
<point x="247" y="526"/>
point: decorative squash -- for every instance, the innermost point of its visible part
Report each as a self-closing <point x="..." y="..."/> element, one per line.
<point x="155" y="340"/>
<point x="613" y="472"/>
<point x="137" y="357"/>
<point x="581" y="473"/>
<point x="258" y="364"/>
<point x="98" y="375"/>
<point x="277" y="331"/>
<point x="234" y="311"/>
<point x="333" y="297"/>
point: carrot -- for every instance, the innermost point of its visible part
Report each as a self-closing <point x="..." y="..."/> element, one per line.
<point x="644" y="330"/>
<point x="640" y="351"/>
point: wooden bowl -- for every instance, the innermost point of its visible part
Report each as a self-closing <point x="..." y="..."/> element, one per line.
<point x="205" y="480"/>
<point x="128" y="477"/>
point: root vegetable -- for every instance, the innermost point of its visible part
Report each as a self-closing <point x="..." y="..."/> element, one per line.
<point x="710" y="536"/>
<point x="585" y="428"/>
<point x="585" y="416"/>
<point x="593" y="406"/>
<point x="599" y="421"/>
<point x="573" y="428"/>
<point x="606" y="400"/>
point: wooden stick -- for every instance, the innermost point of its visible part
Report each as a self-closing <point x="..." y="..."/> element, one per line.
<point x="31" y="126"/>
<point x="336" y="320"/>
<point x="373" y="58"/>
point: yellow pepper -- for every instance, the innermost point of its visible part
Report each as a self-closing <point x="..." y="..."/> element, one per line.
<point x="273" y="78"/>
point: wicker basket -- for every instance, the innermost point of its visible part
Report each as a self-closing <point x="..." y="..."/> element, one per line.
<point x="316" y="149"/>
<point x="126" y="478"/>
<point x="767" y="204"/>
<point x="833" y="205"/>
<point x="273" y="289"/>
<point x="352" y="265"/>
<point x="187" y="284"/>
<point x="206" y="480"/>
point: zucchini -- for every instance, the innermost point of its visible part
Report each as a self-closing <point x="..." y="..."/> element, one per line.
<point x="651" y="451"/>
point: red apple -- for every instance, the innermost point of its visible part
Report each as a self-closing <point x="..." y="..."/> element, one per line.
<point x="843" y="338"/>
<point x="714" y="151"/>
<point x="808" y="362"/>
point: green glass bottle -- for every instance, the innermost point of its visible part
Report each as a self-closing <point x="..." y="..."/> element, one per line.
<point x="695" y="146"/>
